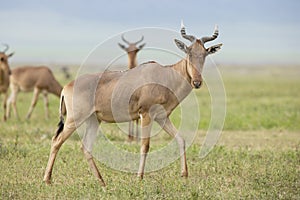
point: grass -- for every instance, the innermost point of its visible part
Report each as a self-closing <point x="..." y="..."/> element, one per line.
<point x="258" y="98"/>
<point x="230" y="173"/>
<point x="257" y="156"/>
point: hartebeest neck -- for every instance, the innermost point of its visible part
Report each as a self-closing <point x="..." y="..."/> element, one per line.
<point x="181" y="68"/>
<point x="4" y="80"/>
<point x="181" y="82"/>
<point x="56" y="88"/>
<point x="132" y="62"/>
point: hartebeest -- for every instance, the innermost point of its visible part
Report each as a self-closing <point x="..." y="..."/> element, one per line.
<point x="155" y="91"/>
<point x="28" y="78"/>
<point x="132" y="49"/>
<point x="4" y="76"/>
<point x="66" y="71"/>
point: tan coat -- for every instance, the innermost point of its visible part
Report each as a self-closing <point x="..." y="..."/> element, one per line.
<point x="37" y="79"/>
<point x="150" y="91"/>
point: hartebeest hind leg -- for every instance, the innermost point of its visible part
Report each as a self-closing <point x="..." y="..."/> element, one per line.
<point x="12" y="100"/>
<point x="46" y="104"/>
<point x="88" y="139"/>
<point x="57" y="141"/>
<point x="168" y="126"/>
<point x="146" y="124"/>
<point x="36" y="93"/>
<point x="130" y="131"/>
<point x="137" y="130"/>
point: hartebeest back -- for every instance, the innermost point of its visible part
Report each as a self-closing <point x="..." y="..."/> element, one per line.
<point x="36" y="79"/>
<point x="155" y="91"/>
<point x="132" y="49"/>
<point x="4" y="76"/>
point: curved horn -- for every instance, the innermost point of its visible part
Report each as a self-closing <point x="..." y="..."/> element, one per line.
<point x="139" y="40"/>
<point x="6" y="48"/>
<point x="214" y="36"/>
<point x="184" y="35"/>
<point x="125" y="40"/>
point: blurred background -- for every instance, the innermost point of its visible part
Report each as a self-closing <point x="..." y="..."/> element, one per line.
<point x="64" y="32"/>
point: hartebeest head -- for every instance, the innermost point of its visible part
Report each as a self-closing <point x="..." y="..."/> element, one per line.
<point x="132" y="49"/>
<point x="196" y="54"/>
<point x="4" y="59"/>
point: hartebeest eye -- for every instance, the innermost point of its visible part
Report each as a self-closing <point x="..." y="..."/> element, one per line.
<point x="2" y="59"/>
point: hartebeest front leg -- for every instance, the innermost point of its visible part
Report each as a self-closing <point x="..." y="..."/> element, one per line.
<point x="146" y="124"/>
<point x="36" y="93"/>
<point x="88" y="140"/>
<point x="4" y="106"/>
<point x="168" y="126"/>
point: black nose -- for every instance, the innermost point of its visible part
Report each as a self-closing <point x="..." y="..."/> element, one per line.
<point x="197" y="84"/>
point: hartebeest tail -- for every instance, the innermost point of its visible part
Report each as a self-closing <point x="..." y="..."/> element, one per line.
<point x="62" y="112"/>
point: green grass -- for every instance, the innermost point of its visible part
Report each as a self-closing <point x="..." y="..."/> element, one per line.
<point x="257" y="156"/>
<point x="258" y="98"/>
<point x="227" y="172"/>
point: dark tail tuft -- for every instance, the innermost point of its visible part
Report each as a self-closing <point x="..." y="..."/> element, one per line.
<point x="61" y="122"/>
<point x="60" y="127"/>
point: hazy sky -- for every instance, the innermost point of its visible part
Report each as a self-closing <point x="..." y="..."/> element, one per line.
<point x="257" y="31"/>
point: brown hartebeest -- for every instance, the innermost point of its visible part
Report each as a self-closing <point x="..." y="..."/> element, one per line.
<point x="155" y="91"/>
<point x="132" y="51"/>
<point x="4" y="76"/>
<point x="28" y="78"/>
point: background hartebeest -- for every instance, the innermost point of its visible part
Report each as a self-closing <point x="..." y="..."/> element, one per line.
<point x="155" y="91"/>
<point x="4" y="76"/>
<point x="132" y="49"/>
<point x="66" y="71"/>
<point x="39" y="79"/>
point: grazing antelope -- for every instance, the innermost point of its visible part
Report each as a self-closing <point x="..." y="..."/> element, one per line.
<point x="4" y="76"/>
<point x="132" y="51"/>
<point x="156" y="91"/>
<point x="39" y="79"/>
<point x="66" y="71"/>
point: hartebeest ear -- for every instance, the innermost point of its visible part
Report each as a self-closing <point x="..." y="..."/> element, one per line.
<point x="141" y="46"/>
<point x="213" y="49"/>
<point x="181" y="45"/>
<point x="122" y="46"/>
<point x="11" y="54"/>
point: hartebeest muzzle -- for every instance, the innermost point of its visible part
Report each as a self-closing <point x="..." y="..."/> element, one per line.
<point x="197" y="84"/>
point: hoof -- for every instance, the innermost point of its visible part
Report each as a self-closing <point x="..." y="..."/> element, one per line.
<point x="48" y="182"/>
<point x="184" y="174"/>
<point x="102" y="183"/>
<point x="140" y="176"/>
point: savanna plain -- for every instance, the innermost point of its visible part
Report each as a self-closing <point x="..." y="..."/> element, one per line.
<point x="256" y="157"/>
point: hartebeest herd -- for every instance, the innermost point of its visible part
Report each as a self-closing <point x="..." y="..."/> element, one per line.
<point x="148" y="92"/>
